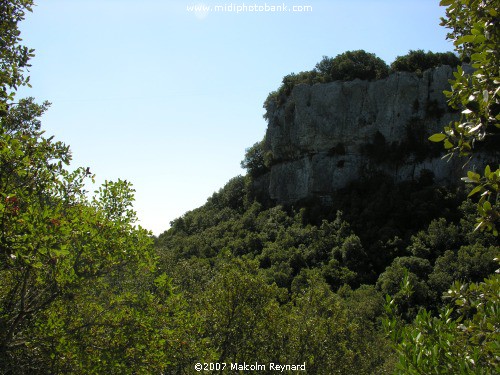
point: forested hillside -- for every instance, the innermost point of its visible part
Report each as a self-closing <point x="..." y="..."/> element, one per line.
<point x="389" y="277"/>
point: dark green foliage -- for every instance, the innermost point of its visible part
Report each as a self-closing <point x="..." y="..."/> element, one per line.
<point x="388" y="221"/>
<point x="472" y="263"/>
<point x="347" y="66"/>
<point x="304" y="283"/>
<point x="256" y="161"/>
<point x="352" y="65"/>
<point x="231" y="195"/>
<point x="419" y="61"/>
<point x="385" y="214"/>
<point x="389" y="283"/>
<point x="433" y="242"/>
<point x="413" y="147"/>
<point x="309" y="78"/>
<point x="441" y="254"/>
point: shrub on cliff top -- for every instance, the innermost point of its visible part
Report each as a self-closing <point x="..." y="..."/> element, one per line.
<point x="351" y="65"/>
<point x="419" y="61"/>
<point x="344" y="67"/>
<point x="359" y="64"/>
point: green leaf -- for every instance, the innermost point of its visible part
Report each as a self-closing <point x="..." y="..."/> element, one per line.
<point x="438" y="137"/>
<point x="487" y="171"/>
<point x="465" y="39"/>
<point x="473" y="176"/>
<point x="477" y="57"/>
<point x="476" y="190"/>
<point x="487" y="206"/>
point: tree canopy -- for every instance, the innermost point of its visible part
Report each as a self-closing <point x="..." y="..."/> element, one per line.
<point x="78" y="288"/>
<point x="14" y="58"/>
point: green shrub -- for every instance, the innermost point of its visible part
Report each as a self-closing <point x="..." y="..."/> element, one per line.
<point x="351" y="65"/>
<point x="344" y="67"/>
<point x="256" y="160"/>
<point x="419" y="61"/>
<point x="459" y="340"/>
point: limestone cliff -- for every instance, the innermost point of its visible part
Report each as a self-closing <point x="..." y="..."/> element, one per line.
<point x="321" y="137"/>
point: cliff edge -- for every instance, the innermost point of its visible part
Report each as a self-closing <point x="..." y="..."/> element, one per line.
<point x="322" y="137"/>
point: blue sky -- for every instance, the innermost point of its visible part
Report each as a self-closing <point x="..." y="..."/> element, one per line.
<point x="146" y="91"/>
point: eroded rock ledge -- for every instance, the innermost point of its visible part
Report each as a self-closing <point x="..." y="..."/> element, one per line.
<point x="324" y="136"/>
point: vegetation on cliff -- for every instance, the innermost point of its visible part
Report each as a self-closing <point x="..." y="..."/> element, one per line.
<point x="359" y="64"/>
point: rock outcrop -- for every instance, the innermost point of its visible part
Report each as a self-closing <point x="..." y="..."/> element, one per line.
<point x="324" y="136"/>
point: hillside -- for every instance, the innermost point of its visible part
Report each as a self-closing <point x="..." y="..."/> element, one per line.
<point x="345" y="197"/>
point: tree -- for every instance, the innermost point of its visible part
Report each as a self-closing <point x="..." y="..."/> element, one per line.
<point x="14" y="58"/>
<point x="463" y="340"/>
<point x="419" y="61"/>
<point x="320" y="333"/>
<point x="347" y="66"/>
<point x="256" y="160"/>
<point x="56" y="244"/>
<point x="476" y="36"/>
<point x="351" y="65"/>
<point x="240" y="313"/>
<point x="79" y="291"/>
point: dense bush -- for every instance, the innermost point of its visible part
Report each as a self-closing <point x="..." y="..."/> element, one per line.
<point x="462" y="339"/>
<point x="257" y="160"/>
<point x="419" y="61"/>
<point x="351" y="65"/>
<point x="347" y="66"/>
<point x="294" y="253"/>
<point x="360" y="64"/>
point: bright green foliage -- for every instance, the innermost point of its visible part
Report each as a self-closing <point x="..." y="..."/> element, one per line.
<point x="14" y="58"/>
<point x="476" y="36"/>
<point x="246" y="318"/>
<point x="240" y="313"/>
<point x="324" y="336"/>
<point x="464" y="341"/>
<point x="75" y="273"/>
<point x="82" y="291"/>
<point x="488" y="206"/>
<point x="78" y="289"/>
<point x="419" y="61"/>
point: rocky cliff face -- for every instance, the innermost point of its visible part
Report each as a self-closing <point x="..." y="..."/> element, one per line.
<point x="324" y="136"/>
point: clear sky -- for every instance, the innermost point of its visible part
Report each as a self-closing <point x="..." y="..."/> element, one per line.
<point x="147" y="91"/>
